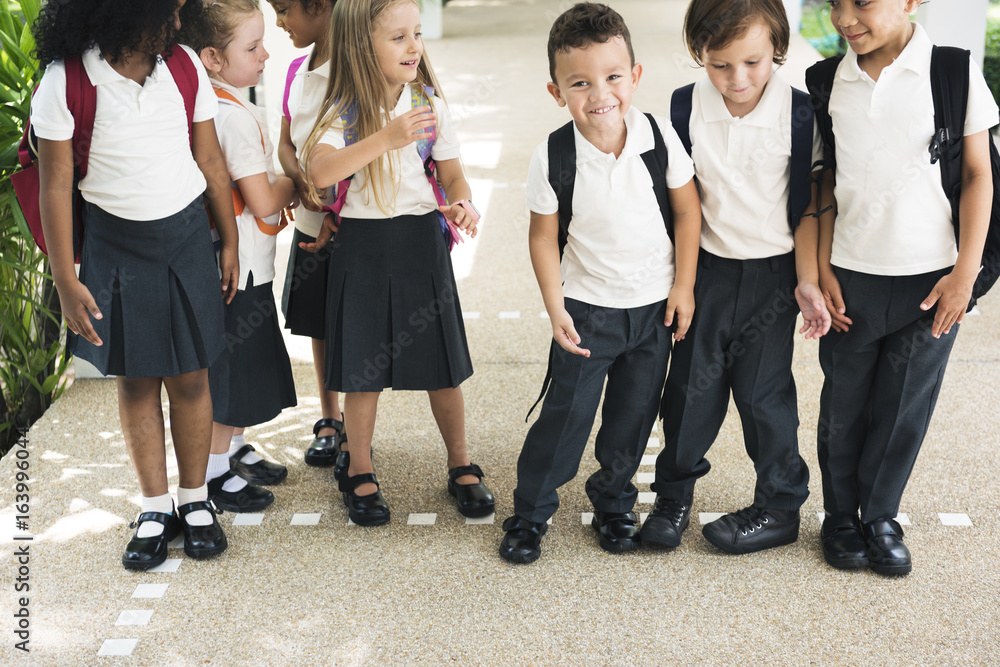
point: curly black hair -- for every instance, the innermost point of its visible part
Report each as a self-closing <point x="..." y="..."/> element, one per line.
<point x="67" y="28"/>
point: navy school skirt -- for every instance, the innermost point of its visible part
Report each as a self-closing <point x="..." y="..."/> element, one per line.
<point x="157" y="284"/>
<point x="251" y="381"/>
<point x="394" y="318"/>
<point x="303" y="298"/>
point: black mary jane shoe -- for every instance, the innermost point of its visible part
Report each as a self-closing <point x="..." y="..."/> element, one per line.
<point x="473" y="500"/>
<point x="886" y="552"/>
<point x="323" y="451"/>
<point x="617" y="531"/>
<point x="522" y="542"/>
<point x="844" y="542"/>
<point x="248" y="499"/>
<point x="142" y="553"/>
<point x="370" y="510"/>
<point x="262" y="473"/>
<point x="202" y="541"/>
<point x="343" y="460"/>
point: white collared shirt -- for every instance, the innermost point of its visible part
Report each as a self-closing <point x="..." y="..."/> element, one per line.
<point x="413" y="192"/>
<point x="305" y="98"/>
<point x="743" y="171"/>
<point x="240" y="129"/>
<point x="140" y="165"/>
<point x="893" y="216"/>
<point x="618" y="254"/>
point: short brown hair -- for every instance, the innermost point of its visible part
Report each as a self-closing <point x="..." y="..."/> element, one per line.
<point x="583" y="24"/>
<point x="714" y="24"/>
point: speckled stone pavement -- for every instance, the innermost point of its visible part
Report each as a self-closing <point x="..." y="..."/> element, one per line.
<point x="432" y="590"/>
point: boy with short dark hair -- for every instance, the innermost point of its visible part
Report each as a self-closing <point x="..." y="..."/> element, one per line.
<point x="615" y="283"/>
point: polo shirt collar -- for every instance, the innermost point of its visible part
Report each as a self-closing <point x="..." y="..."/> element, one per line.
<point x="713" y="105"/>
<point x="638" y="139"/>
<point x="916" y="56"/>
<point x="232" y="90"/>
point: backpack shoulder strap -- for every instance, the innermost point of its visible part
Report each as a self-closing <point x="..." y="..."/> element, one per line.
<point x="81" y="98"/>
<point x="819" y="81"/>
<point x="680" y="114"/>
<point x="800" y="163"/>
<point x="562" y="176"/>
<point x="229" y="97"/>
<point x="185" y="75"/>
<point x="293" y="69"/>
<point x="656" y="164"/>
<point x="950" y="92"/>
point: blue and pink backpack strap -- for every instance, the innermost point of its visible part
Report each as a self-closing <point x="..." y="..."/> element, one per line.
<point x="421" y="97"/>
<point x="293" y="69"/>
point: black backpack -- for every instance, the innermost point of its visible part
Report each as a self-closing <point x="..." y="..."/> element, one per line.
<point x="800" y="174"/>
<point x="950" y="91"/>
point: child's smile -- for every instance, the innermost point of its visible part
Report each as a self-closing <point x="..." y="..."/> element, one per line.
<point x="874" y="27"/>
<point x="398" y="44"/>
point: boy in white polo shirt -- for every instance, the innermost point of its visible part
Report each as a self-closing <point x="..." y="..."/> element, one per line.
<point x="617" y="295"/>
<point x="896" y="284"/>
<point x="753" y="145"/>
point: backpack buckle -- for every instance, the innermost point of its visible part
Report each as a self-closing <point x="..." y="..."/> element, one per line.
<point x="941" y="138"/>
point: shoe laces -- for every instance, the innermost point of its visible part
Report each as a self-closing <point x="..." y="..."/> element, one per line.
<point x="669" y="508"/>
<point x="750" y="520"/>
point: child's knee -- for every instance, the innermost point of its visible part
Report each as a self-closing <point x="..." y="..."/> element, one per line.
<point x="188" y="386"/>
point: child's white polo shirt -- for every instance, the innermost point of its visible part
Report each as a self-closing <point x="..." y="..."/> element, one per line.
<point x="305" y="98"/>
<point x="743" y="171"/>
<point x="411" y="192"/>
<point x="140" y="165"/>
<point x="240" y="129"/>
<point x="893" y="216"/>
<point x="618" y="254"/>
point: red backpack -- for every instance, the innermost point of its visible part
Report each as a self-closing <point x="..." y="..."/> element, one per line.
<point x="81" y="98"/>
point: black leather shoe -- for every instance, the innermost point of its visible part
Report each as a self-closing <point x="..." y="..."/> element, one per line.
<point x="262" y="473"/>
<point x="142" y="553"/>
<point x="202" y="541"/>
<point x="753" y="529"/>
<point x="370" y="510"/>
<point x="886" y="552"/>
<point x="523" y="541"/>
<point x="323" y="451"/>
<point x="843" y="543"/>
<point x="664" y="525"/>
<point x="248" y="499"/>
<point x="473" y="500"/>
<point x="343" y="461"/>
<point x="617" y="531"/>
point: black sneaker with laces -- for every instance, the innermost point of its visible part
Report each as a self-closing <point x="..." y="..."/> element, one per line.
<point x="664" y="525"/>
<point x="753" y="529"/>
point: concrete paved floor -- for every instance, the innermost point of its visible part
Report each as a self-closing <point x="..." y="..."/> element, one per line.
<point x="435" y="593"/>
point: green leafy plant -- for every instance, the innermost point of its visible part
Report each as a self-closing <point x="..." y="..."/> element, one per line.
<point x="818" y="30"/>
<point x="991" y="59"/>
<point x="33" y="359"/>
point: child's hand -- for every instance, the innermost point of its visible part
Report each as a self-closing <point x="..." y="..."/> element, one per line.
<point x="78" y="306"/>
<point x="461" y="219"/>
<point x="952" y="295"/>
<point x="326" y="232"/>
<point x="680" y="307"/>
<point x="406" y="128"/>
<point x="301" y="189"/>
<point x="565" y="333"/>
<point x="834" y="299"/>
<point x="229" y="264"/>
<point x="816" y="318"/>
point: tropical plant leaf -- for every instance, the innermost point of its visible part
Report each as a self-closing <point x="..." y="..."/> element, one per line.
<point x="30" y="9"/>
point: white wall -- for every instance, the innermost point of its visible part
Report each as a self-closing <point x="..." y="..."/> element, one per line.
<point x="956" y="23"/>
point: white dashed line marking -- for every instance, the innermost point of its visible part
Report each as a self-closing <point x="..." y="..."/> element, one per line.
<point x="483" y="520"/>
<point x="150" y="590"/>
<point x="646" y="498"/>
<point x="421" y="519"/>
<point x="954" y="519"/>
<point x="169" y="565"/>
<point x="134" y="617"/>
<point x="510" y="314"/>
<point x="118" y="647"/>
<point x="248" y="519"/>
<point x="708" y="517"/>
<point x="305" y="519"/>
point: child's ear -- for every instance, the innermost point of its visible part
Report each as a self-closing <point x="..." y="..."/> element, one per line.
<point x="556" y="93"/>
<point x="211" y="58"/>
<point x="636" y="75"/>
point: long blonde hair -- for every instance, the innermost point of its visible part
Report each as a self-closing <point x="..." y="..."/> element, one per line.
<point x="357" y="83"/>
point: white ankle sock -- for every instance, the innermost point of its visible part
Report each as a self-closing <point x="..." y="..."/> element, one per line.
<point x="250" y="457"/>
<point x="164" y="504"/>
<point x="185" y="496"/>
<point x="218" y="465"/>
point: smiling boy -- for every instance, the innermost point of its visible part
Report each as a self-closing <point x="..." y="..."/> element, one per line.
<point x="608" y="280"/>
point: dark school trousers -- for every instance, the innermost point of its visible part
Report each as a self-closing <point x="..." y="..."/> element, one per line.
<point x="740" y="341"/>
<point x="882" y="380"/>
<point x="630" y="348"/>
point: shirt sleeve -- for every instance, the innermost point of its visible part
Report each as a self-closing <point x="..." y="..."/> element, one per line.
<point x="206" y="104"/>
<point x="50" y="115"/>
<point x="680" y="168"/>
<point x="240" y="138"/>
<point x="334" y="136"/>
<point x="817" y="151"/>
<point x="541" y="197"/>
<point x="981" y="113"/>
<point x="446" y="146"/>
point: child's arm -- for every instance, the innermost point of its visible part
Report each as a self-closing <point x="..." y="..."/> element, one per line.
<point x="954" y="291"/>
<point x="686" y="207"/>
<point x="456" y="188"/>
<point x="55" y="181"/>
<point x="286" y="157"/>
<point x="328" y="165"/>
<point x="815" y="316"/>
<point x="265" y="198"/>
<point x="828" y="282"/>
<point x="543" y="244"/>
<point x="208" y="155"/>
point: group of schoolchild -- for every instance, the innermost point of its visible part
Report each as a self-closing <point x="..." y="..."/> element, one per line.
<point x="695" y="239"/>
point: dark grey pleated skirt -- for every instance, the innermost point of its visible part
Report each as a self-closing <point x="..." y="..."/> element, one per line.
<point x="303" y="297"/>
<point x="394" y="318"/>
<point x="157" y="284"/>
<point x="251" y="381"/>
